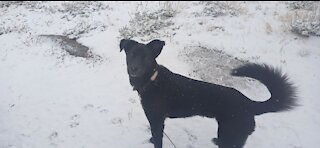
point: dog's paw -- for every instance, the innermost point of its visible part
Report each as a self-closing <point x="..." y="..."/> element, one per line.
<point x="215" y="141"/>
<point x="151" y="140"/>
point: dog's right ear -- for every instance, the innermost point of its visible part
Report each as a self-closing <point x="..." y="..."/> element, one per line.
<point x="126" y="44"/>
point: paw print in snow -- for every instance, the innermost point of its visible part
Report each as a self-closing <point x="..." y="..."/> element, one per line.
<point x="117" y="121"/>
<point x="74" y="124"/>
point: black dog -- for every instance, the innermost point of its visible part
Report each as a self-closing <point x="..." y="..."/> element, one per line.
<point x="167" y="94"/>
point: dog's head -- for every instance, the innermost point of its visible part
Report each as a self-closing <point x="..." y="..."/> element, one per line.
<point x="141" y="58"/>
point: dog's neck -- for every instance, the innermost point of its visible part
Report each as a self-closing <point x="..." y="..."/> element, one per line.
<point x="141" y="83"/>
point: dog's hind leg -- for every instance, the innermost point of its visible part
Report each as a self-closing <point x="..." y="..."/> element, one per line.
<point x="233" y="133"/>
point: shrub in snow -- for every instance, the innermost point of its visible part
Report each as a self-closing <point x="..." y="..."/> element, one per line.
<point x="219" y="8"/>
<point x="31" y="5"/>
<point x="148" y="24"/>
<point x="83" y="28"/>
<point x="82" y="8"/>
<point x="9" y="3"/>
<point x="15" y="28"/>
<point x="306" y="5"/>
<point x="306" y="28"/>
<point x="77" y="13"/>
<point x="306" y="20"/>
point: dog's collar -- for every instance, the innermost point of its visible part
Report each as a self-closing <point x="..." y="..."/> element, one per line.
<point x="154" y="76"/>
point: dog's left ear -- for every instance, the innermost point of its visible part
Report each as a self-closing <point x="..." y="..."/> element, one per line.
<point x="156" y="46"/>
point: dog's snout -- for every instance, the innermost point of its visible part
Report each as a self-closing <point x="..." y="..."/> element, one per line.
<point x="133" y="69"/>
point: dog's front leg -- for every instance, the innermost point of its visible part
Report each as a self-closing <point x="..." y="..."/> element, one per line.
<point x="157" y="126"/>
<point x="157" y="133"/>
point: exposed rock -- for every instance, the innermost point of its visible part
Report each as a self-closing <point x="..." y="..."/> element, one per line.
<point x="70" y="45"/>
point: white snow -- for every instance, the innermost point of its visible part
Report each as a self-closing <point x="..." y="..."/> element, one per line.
<point x="49" y="98"/>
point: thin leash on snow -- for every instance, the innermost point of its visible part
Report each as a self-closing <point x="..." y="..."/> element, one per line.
<point x="169" y="139"/>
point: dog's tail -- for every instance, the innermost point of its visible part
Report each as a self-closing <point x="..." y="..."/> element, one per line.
<point x="283" y="93"/>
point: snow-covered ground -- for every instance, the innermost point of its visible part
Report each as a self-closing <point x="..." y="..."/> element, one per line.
<point x="51" y="99"/>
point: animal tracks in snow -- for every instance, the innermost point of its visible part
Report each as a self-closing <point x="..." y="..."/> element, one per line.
<point x="117" y="121"/>
<point x="54" y="139"/>
<point x="74" y="117"/>
<point x="74" y="124"/>
<point x="192" y="138"/>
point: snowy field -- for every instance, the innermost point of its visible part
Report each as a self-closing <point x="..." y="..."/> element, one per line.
<point x="50" y="98"/>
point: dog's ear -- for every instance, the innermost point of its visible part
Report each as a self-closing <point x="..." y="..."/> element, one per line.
<point x="126" y="44"/>
<point x="156" y="46"/>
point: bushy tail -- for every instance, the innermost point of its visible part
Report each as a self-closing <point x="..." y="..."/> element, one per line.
<point x="283" y="93"/>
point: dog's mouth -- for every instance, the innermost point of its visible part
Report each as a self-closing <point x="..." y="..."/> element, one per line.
<point x="136" y="72"/>
<point x="133" y="75"/>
